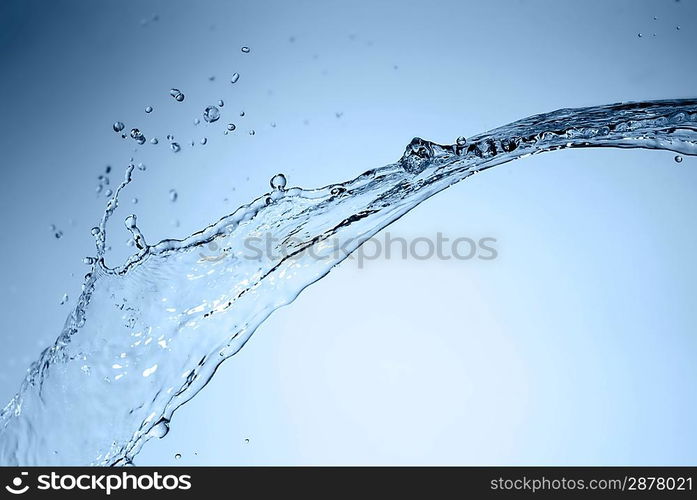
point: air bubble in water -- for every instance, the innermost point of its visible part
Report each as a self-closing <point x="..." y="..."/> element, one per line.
<point x="175" y="147"/>
<point x="118" y="126"/>
<point x="461" y="141"/>
<point x="173" y="195"/>
<point x="231" y="126"/>
<point x="278" y="181"/>
<point x="245" y="49"/>
<point x="148" y="109"/>
<point x="639" y="35"/>
<point x="211" y="114"/>
<point x="221" y="103"/>
<point x="678" y="159"/>
<point x="235" y="77"/>
<point x="177" y="94"/>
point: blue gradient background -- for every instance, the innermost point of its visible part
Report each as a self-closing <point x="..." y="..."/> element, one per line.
<point x="575" y="346"/>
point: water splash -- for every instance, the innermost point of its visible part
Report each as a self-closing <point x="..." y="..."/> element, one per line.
<point x="146" y="336"/>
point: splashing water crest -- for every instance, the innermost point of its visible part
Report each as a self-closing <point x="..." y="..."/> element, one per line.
<point x="147" y="336"/>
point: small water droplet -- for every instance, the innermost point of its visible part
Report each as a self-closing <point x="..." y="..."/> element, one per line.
<point x="639" y="35"/>
<point x="252" y="132"/>
<point x="173" y="195"/>
<point x="677" y="28"/>
<point x="148" y="109"/>
<point x="177" y="94"/>
<point x="135" y="133"/>
<point x="196" y="121"/>
<point x="142" y="167"/>
<point x="273" y="124"/>
<point x="246" y="440"/>
<point x="211" y="78"/>
<point x="108" y="193"/>
<point x="178" y="456"/>
<point x="235" y="77"/>
<point x="175" y="147"/>
<point x="241" y="113"/>
<point x="461" y="141"/>
<point x="118" y="126"/>
<point x="154" y="140"/>
<point x="221" y="103"/>
<point x="170" y="137"/>
<point x="278" y="181"/>
<point x="211" y="114"/>
<point x="134" y="201"/>
<point x="108" y="169"/>
<point x="678" y="159"/>
<point x="64" y="299"/>
<point x="231" y="126"/>
<point x="204" y="140"/>
<point x="245" y="49"/>
<point x="160" y="429"/>
<point x="95" y="231"/>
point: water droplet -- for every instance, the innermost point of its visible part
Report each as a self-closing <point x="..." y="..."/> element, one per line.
<point x="639" y="35"/>
<point x="278" y="181"/>
<point x="160" y="429"/>
<point x="245" y="49"/>
<point x="108" y="193"/>
<point x="678" y="159"/>
<point x="339" y="114"/>
<point x="211" y="114"/>
<point x="89" y="260"/>
<point x="177" y="94"/>
<point x="178" y="456"/>
<point x="154" y="140"/>
<point x="211" y="78"/>
<point x="221" y="103"/>
<point x="135" y="133"/>
<point x="196" y="121"/>
<point x="134" y="200"/>
<point x="95" y="231"/>
<point x="231" y="126"/>
<point x="64" y="299"/>
<point x="273" y="124"/>
<point x="148" y="109"/>
<point x="118" y="126"/>
<point x="141" y="140"/>
<point x="235" y="77"/>
<point x="108" y="169"/>
<point x="241" y="113"/>
<point x="142" y="167"/>
<point x="131" y="222"/>
<point x="204" y="141"/>
<point x="170" y="137"/>
<point x="252" y="132"/>
<point x="677" y="28"/>
<point x="461" y="141"/>
<point x="175" y="147"/>
<point x="173" y="195"/>
<point x="246" y="440"/>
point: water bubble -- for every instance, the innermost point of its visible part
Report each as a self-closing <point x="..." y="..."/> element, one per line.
<point x="95" y="231"/>
<point x="135" y="133"/>
<point x="192" y="142"/>
<point x="221" y="103"/>
<point x="196" y="121"/>
<point x="173" y="195"/>
<point x="677" y="28"/>
<point x="89" y="261"/>
<point x="241" y="113"/>
<point x="148" y="109"/>
<point x="339" y="114"/>
<point x="245" y="49"/>
<point x="170" y="137"/>
<point x="141" y="140"/>
<point x="231" y="127"/>
<point x="118" y="126"/>
<point x="142" y="167"/>
<point x="160" y="429"/>
<point x="177" y="94"/>
<point x="246" y="440"/>
<point x="64" y="299"/>
<point x="639" y="35"/>
<point x="235" y="77"/>
<point x="273" y="124"/>
<point x="211" y="78"/>
<point x="108" y="169"/>
<point x="211" y="114"/>
<point x="461" y="141"/>
<point x="131" y="222"/>
<point x="252" y="132"/>
<point x="123" y="136"/>
<point x="154" y="140"/>
<point x="175" y="147"/>
<point x="278" y="181"/>
<point x="108" y="193"/>
<point x="178" y="456"/>
<point x="678" y="159"/>
<point x="134" y="200"/>
<point x="204" y="141"/>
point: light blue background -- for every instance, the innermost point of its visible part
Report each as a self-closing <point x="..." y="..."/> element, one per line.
<point x="575" y="346"/>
